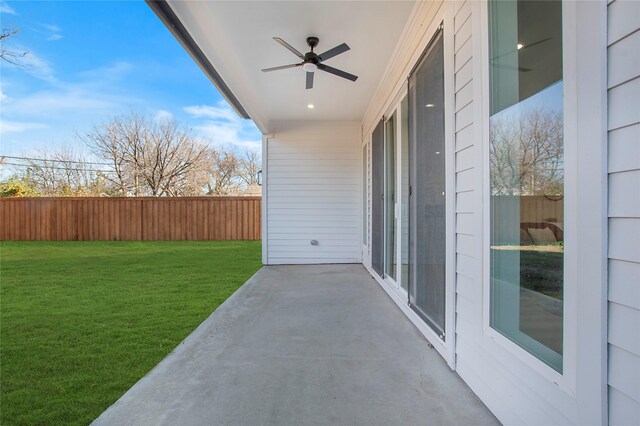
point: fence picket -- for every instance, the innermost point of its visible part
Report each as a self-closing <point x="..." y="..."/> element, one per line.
<point x="130" y="218"/>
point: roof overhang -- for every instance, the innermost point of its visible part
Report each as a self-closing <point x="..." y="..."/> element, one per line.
<point x="171" y="21"/>
<point x="233" y="40"/>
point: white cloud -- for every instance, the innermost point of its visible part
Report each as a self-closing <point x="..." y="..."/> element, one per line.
<point x="52" y="28"/>
<point x="7" y="126"/>
<point x="221" y="112"/>
<point x="255" y="146"/>
<point x="5" y="8"/>
<point x="51" y="32"/>
<point x="62" y="102"/>
<point x="221" y="126"/>
<point x="162" y="116"/>
<point x="92" y="93"/>
<point x="107" y="75"/>
<point x="36" y="66"/>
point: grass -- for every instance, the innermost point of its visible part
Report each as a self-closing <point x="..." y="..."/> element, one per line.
<point x="541" y="267"/>
<point x="542" y="271"/>
<point x="81" y="322"/>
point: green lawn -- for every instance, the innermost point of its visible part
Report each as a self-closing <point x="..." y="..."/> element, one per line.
<point x="81" y="322"/>
<point x="542" y="271"/>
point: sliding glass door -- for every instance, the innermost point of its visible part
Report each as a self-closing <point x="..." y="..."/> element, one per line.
<point x="427" y="180"/>
<point x="377" y="198"/>
<point x="408" y="191"/>
<point x="403" y="174"/>
<point x="390" y="222"/>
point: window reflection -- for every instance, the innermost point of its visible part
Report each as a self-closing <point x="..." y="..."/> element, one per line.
<point x="527" y="175"/>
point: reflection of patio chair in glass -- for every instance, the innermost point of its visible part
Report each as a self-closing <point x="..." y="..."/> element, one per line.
<point x="538" y="237"/>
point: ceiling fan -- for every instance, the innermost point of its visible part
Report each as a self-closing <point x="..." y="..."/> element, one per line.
<point x="311" y="61"/>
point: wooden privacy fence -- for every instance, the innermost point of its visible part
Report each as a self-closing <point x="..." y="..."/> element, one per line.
<point x="131" y="218"/>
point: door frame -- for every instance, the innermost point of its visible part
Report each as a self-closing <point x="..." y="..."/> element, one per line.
<point x="396" y="107"/>
<point x="393" y="282"/>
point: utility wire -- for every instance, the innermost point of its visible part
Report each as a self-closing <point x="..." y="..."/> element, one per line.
<point x="76" y="169"/>
<point x="54" y="160"/>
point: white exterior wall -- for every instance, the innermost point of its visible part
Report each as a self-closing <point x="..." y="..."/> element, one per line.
<point x="312" y="191"/>
<point x="623" y="50"/>
<point x="510" y="389"/>
<point x="517" y="388"/>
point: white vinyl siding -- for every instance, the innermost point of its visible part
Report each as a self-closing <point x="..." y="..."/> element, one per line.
<point x="514" y="392"/>
<point x="514" y="387"/>
<point x="624" y="211"/>
<point x="481" y="370"/>
<point x="313" y="193"/>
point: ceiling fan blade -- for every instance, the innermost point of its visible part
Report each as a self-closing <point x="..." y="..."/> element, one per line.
<point x="521" y="47"/>
<point x="288" y="46"/>
<point x="309" y="84"/>
<point x="526" y="46"/>
<point x="282" y="67"/>
<point x="512" y="67"/>
<point x="337" y="72"/>
<point x="334" y="52"/>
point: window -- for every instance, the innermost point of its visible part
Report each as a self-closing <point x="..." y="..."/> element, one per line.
<point x="527" y="175"/>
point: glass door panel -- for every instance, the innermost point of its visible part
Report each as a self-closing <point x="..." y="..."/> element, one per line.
<point x="377" y="197"/>
<point x="404" y="193"/>
<point x="390" y="231"/>
<point x="427" y="178"/>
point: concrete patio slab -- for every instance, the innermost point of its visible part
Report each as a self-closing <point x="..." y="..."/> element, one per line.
<point x="302" y="345"/>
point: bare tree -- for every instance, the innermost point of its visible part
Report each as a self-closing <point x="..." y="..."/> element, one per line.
<point x="151" y="158"/>
<point x="172" y="161"/>
<point x="249" y="169"/>
<point x="63" y="173"/>
<point x="10" y="55"/>
<point x="224" y="166"/>
<point x="526" y="153"/>
<point x="118" y="142"/>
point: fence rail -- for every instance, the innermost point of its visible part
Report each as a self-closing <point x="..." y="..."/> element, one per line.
<point x="130" y="218"/>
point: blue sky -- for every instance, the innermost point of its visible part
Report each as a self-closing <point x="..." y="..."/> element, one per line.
<point x="89" y="61"/>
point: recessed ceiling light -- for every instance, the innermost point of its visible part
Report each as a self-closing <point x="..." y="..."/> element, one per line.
<point x="519" y="46"/>
<point x="429" y="105"/>
<point x="437" y="152"/>
<point x="310" y="106"/>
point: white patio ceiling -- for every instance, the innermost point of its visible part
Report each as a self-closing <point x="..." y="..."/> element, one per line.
<point x="236" y="37"/>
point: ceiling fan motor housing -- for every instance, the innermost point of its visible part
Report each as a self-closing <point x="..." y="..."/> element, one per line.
<point x="311" y="59"/>
<point x="312" y="42"/>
